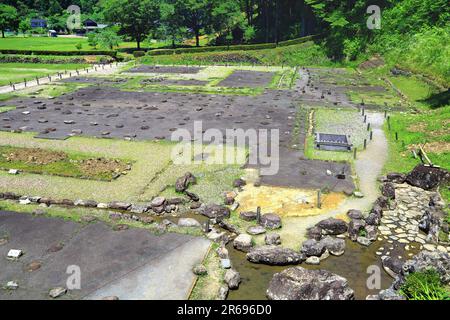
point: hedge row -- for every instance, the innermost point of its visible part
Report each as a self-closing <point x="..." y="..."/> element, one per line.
<point x="242" y="47"/>
<point x="110" y="53"/>
<point x="297" y="41"/>
<point x="18" y="58"/>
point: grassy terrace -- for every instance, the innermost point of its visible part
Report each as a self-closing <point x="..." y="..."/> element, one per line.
<point x="306" y="53"/>
<point x="428" y="126"/>
<point x="17" y="72"/>
<point x="58" y="163"/>
<point x="51" y="44"/>
<point x="337" y="121"/>
<point x="152" y="171"/>
<point x="213" y="75"/>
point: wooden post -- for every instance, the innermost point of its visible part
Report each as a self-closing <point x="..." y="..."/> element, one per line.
<point x="207" y="226"/>
<point x="371" y="135"/>
<point x="396" y="136"/>
<point x="385" y="113"/>
<point x="365" y="144"/>
<point x="319" y="200"/>
<point x="258" y="214"/>
<point x="365" y="118"/>
<point x="389" y="122"/>
<point x="14" y="87"/>
<point x="368" y="126"/>
<point x="25" y="82"/>
<point x="354" y="153"/>
<point x="37" y="80"/>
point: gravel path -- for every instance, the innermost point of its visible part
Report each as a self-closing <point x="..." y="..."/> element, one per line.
<point x="368" y="167"/>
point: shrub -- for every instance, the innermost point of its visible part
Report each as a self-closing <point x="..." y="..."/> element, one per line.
<point x="424" y="285"/>
<point x="111" y="53"/>
<point x="138" y="53"/>
<point x="79" y="46"/>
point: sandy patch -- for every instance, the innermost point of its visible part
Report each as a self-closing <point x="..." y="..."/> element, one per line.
<point x="432" y="147"/>
<point x="287" y="202"/>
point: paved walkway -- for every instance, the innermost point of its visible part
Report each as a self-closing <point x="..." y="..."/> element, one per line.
<point x="368" y="167"/>
<point x="130" y="264"/>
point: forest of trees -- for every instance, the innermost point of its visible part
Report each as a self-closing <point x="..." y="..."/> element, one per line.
<point x="342" y="24"/>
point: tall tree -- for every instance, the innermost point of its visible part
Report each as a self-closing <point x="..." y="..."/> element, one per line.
<point x="136" y="18"/>
<point x="196" y="16"/>
<point x="171" y="23"/>
<point x="8" y="18"/>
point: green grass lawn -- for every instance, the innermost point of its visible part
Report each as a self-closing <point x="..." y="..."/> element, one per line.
<point x="416" y="90"/>
<point x="17" y="72"/>
<point x="213" y="75"/>
<point x="336" y="121"/>
<point x="66" y="44"/>
<point x="152" y="173"/>
<point x="51" y="44"/>
<point x="303" y="54"/>
<point x="60" y="163"/>
<point x="431" y="128"/>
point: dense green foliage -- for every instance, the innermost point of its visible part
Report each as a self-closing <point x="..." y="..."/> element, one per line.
<point x="413" y="34"/>
<point x="424" y="285"/>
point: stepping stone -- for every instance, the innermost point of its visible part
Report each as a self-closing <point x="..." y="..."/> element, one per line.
<point x="255" y="230"/>
<point x="14" y="254"/>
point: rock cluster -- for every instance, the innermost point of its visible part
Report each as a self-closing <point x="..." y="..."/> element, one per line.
<point x="297" y="283"/>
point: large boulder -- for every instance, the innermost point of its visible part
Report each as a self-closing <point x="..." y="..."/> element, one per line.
<point x="275" y="255"/>
<point x="313" y="247"/>
<point x="396" y="177"/>
<point x="248" y="215"/>
<point x="243" y="242"/>
<point x="183" y="182"/>
<point x="117" y="205"/>
<point x="334" y="246"/>
<point x="382" y="202"/>
<point x="388" y="190"/>
<point x="440" y="261"/>
<point x="270" y="221"/>
<point x="189" y="223"/>
<point x="298" y="283"/>
<point x="373" y="219"/>
<point x="355" y="214"/>
<point x="371" y="232"/>
<point x="314" y="233"/>
<point x="232" y="279"/>
<point x="390" y="294"/>
<point x="215" y="211"/>
<point x="355" y="227"/>
<point x="431" y="222"/>
<point x="392" y="266"/>
<point x="272" y="239"/>
<point x="426" y="177"/>
<point x="332" y="226"/>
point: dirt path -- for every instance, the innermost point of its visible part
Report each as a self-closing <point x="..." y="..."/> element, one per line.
<point x="368" y="167"/>
<point x="94" y="70"/>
